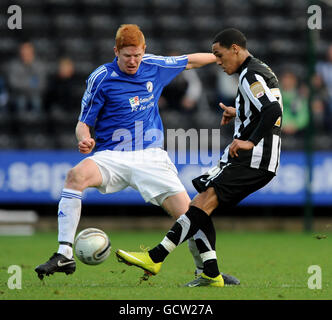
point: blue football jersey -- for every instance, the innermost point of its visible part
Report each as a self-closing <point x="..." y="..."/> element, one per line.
<point x="123" y="108"/>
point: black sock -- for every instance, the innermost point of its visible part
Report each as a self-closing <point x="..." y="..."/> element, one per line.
<point x="209" y="235"/>
<point x="205" y="240"/>
<point x="211" y="268"/>
<point x="184" y="228"/>
<point x="158" y="253"/>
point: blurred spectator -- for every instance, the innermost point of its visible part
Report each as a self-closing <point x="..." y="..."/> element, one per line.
<point x="183" y="93"/>
<point x="324" y="69"/>
<point x="295" y="102"/>
<point x="61" y="95"/>
<point x="3" y="95"/>
<point x="322" y="117"/>
<point x="27" y="80"/>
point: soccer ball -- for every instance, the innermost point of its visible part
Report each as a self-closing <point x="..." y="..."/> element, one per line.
<point x="92" y="246"/>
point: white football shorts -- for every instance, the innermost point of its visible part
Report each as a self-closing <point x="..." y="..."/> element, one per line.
<point x="150" y="171"/>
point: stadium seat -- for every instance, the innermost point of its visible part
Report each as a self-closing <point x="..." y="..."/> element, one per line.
<point x="133" y="6"/>
<point x="165" y="7"/>
<point x="69" y="25"/>
<point x="174" y="26"/>
<point x="97" y="3"/>
<point x="287" y="47"/>
<point x="6" y="126"/>
<point x="155" y="46"/>
<point x="9" y="142"/>
<point x="180" y="46"/>
<point x="66" y="141"/>
<point x="77" y="47"/>
<point x="46" y="48"/>
<point x="62" y="3"/>
<point x="292" y="143"/>
<point x="205" y="26"/>
<point x="198" y="7"/>
<point x="8" y="48"/>
<point x="63" y="121"/>
<point x="36" y="24"/>
<point x="101" y="25"/>
<point x="226" y="8"/>
<point x="100" y="7"/>
<point x="35" y="122"/>
<point x="257" y="48"/>
<point x="146" y="25"/>
<point x="104" y="50"/>
<point x="37" y="141"/>
<point x="245" y="23"/>
<point x="278" y="24"/>
<point x="323" y="142"/>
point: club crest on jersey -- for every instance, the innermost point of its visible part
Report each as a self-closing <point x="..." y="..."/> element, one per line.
<point x="134" y="103"/>
<point x="149" y="86"/>
<point x="257" y="89"/>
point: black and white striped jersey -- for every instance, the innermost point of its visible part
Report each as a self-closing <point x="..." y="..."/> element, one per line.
<point x="258" y="89"/>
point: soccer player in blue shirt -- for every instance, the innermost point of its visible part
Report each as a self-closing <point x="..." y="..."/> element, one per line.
<point x="120" y="103"/>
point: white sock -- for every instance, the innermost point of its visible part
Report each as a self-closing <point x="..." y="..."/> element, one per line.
<point x="66" y="250"/>
<point x="195" y="253"/>
<point x="69" y="213"/>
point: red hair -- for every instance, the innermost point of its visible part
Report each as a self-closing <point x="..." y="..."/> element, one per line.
<point x="129" y="35"/>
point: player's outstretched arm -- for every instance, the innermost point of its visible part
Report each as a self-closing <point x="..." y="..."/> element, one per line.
<point x="85" y="142"/>
<point x="197" y="60"/>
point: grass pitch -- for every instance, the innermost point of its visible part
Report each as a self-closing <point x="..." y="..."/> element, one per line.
<point x="271" y="266"/>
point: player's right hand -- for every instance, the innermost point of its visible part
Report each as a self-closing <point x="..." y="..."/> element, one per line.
<point x="228" y="114"/>
<point x="86" y="145"/>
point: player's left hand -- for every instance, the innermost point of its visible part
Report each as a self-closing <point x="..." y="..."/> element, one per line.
<point x="239" y="145"/>
<point x="86" y="145"/>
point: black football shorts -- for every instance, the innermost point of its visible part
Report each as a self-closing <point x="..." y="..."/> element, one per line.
<point x="232" y="182"/>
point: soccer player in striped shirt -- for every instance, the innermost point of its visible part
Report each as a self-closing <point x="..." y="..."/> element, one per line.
<point x="121" y="104"/>
<point x="249" y="162"/>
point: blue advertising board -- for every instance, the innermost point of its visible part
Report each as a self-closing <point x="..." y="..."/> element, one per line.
<point x="37" y="177"/>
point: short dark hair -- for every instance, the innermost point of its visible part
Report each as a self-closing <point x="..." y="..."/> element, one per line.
<point x="231" y="36"/>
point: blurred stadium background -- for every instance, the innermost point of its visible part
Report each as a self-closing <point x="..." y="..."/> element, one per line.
<point x="68" y="39"/>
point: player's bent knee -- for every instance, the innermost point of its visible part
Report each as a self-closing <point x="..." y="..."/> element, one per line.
<point x="177" y="204"/>
<point x="206" y="201"/>
<point x="85" y="174"/>
<point x="75" y="179"/>
<point x="78" y="179"/>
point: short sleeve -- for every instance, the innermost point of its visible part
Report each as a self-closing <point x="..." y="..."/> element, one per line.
<point x="93" y="99"/>
<point x="169" y="67"/>
<point x="257" y="90"/>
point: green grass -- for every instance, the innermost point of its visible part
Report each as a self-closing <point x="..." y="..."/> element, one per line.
<point x="270" y="266"/>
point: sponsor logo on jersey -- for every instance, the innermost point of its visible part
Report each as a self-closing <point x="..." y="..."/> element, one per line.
<point x="134" y="103"/>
